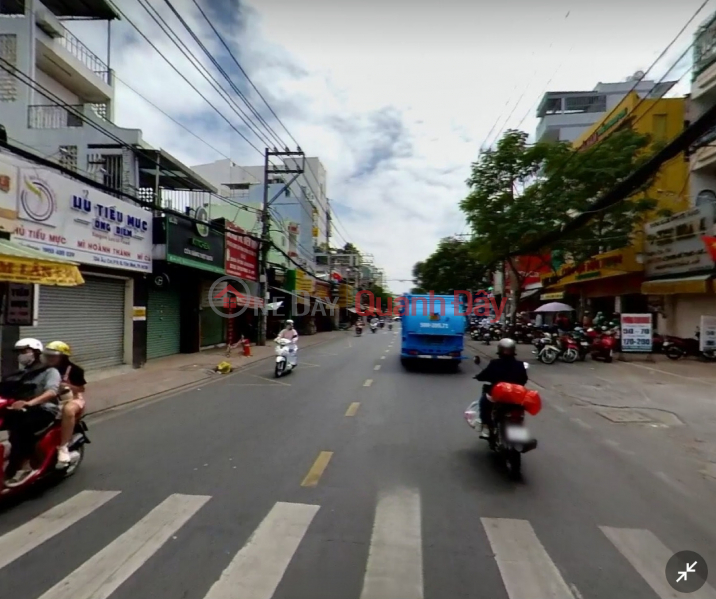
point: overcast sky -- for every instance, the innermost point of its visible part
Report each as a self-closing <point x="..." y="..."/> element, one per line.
<point x="394" y="97"/>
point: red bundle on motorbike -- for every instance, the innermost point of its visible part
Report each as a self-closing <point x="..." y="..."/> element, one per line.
<point x="529" y="399"/>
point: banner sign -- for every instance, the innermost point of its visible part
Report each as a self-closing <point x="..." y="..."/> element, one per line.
<point x="707" y="333"/>
<point x="636" y="332"/>
<point x="193" y="243"/>
<point x="241" y="254"/>
<point x="67" y="219"/>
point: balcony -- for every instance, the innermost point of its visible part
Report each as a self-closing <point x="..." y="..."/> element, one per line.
<point x="52" y="116"/>
<point x="703" y="151"/>
<point x="82" y="53"/>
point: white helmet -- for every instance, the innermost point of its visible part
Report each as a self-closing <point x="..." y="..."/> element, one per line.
<point x="29" y="343"/>
<point x="289" y="321"/>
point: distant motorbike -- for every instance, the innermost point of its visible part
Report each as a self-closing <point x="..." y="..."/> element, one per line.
<point x="359" y="330"/>
<point x="390" y="326"/>
<point x="283" y="352"/>
<point x="373" y="328"/>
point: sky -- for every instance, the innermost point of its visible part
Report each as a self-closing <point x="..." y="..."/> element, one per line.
<point x="396" y="98"/>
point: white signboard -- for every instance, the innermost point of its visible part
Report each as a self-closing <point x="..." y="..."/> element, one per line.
<point x="707" y="330"/>
<point x="636" y="332"/>
<point x="674" y="244"/>
<point x="68" y="219"/>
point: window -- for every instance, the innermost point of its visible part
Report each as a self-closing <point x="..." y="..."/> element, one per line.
<point x="659" y="127"/>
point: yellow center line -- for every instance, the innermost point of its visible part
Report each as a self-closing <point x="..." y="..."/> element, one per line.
<point x="352" y="409"/>
<point x="316" y="471"/>
<point x="368" y="382"/>
<point x="376" y="367"/>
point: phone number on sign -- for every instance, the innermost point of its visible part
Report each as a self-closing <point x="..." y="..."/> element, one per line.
<point x="637" y="341"/>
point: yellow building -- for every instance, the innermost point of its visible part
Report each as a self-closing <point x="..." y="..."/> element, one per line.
<point x="617" y="286"/>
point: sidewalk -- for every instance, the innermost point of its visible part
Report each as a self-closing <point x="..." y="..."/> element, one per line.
<point x="109" y="389"/>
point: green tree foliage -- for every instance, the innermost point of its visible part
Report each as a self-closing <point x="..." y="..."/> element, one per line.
<point x="453" y="265"/>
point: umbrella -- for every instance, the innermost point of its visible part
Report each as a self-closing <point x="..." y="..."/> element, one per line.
<point x="555" y="307"/>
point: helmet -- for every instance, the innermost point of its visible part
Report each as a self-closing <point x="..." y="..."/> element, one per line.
<point x="506" y="347"/>
<point x="289" y="321"/>
<point x="29" y="343"/>
<point x="57" y="348"/>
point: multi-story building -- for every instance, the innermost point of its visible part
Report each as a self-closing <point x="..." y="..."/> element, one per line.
<point x="564" y="116"/>
<point x="309" y="186"/>
<point x="60" y="100"/>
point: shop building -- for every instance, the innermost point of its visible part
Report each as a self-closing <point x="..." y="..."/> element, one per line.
<point x="111" y="240"/>
<point x="680" y="270"/>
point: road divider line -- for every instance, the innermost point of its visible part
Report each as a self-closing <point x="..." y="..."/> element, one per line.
<point x="376" y="367"/>
<point x="648" y="556"/>
<point x="382" y="357"/>
<point x="524" y="564"/>
<point x="581" y="423"/>
<point x="317" y="470"/>
<point x="105" y="572"/>
<point x="368" y="382"/>
<point x="353" y="408"/>
<point x="25" y="538"/>
<point x="395" y="556"/>
<point x="257" y="569"/>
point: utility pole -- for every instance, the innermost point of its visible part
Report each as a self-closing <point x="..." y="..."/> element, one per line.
<point x="269" y="169"/>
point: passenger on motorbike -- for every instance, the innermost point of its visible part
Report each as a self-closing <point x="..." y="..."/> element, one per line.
<point x="503" y="369"/>
<point x="292" y="335"/>
<point x="57" y="354"/>
<point x="34" y="388"/>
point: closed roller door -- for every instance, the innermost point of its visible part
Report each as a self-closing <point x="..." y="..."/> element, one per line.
<point x="212" y="328"/>
<point x="89" y="317"/>
<point x="163" y="323"/>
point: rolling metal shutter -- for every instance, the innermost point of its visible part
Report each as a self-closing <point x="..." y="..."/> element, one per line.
<point x="212" y="328"/>
<point x="163" y="323"/>
<point x="89" y="317"/>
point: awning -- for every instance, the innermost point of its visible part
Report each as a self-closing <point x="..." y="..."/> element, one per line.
<point x="173" y="174"/>
<point x="700" y="284"/>
<point x="20" y="264"/>
<point x="529" y="293"/>
<point x="352" y="310"/>
<point x="302" y="299"/>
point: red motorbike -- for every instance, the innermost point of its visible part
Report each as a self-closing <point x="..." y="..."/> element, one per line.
<point x="603" y="344"/>
<point x="45" y="456"/>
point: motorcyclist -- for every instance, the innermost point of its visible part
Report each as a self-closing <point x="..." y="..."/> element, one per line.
<point x="373" y="322"/>
<point x="57" y="354"/>
<point x="291" y="334"/>
<point x="34" y="388"/>
<point x="503" y="369"/>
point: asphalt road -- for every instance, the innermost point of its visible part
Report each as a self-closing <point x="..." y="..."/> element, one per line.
<point x="350" y="479"/>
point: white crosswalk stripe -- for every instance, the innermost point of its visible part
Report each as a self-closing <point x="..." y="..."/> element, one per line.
<point x="101" y="575"/>
<point x="527" y="570"/>
<point x="648" y="556"/>
<point x="395" y="557"/>
<point x="38" y="530"/>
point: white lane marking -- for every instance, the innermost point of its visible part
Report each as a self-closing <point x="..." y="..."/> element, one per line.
<point x="615" y="445"/>
<point x="559" y="409"/>
<point x="25" y="538"/>
<point x="672" y="483"/>
<point x="376" y="367"/>
<point x="382" y="357"/>
<point x="257" y="569"/>
<point x="105" y="572"/>
<point x="395" y="557"/>
<point x="581" y="423"/>
<point x="387" y="350"/>
<point x="526" y="569"/>
<point x="648" y="556"/>
<point x="368" y="382"/>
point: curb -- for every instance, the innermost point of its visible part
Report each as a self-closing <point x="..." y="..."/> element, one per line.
<point x="175" y="390"/>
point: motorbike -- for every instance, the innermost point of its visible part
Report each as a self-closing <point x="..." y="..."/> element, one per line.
<point x="48" y="440"/>
<point x="676" y="348"/>
<point x="508" y="435"/>
<point x="390" y="326"/>
<point x="381" y="324"/>
<point x="373" y="328"/>
<point x="603" y="344"/>
<point x="283" y="351"/>
<point x="359" y="330"/>
<point x="583" y="343"/>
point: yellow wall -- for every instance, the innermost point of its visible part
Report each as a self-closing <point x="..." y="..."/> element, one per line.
<point x="663" y="119"/>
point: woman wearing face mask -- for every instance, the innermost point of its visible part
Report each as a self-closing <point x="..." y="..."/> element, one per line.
<point x="34" y="388"/>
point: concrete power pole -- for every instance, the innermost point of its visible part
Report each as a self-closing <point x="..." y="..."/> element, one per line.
<point x="266" y="222"/>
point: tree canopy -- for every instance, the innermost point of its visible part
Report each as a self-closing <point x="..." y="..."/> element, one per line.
<point x="454" y="265"/>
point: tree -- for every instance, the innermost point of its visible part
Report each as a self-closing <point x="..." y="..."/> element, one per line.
<point x="519" y="192"/>
<point x="453" y="265"/>
<point x="349" y="248"/>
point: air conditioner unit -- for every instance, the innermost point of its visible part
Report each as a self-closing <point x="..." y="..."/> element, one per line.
<point x="48" y="22"/>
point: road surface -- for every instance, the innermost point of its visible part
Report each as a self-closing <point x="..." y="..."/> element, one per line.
<point x="353" y="479"/>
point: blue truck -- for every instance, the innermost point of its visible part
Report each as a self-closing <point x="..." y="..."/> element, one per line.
<point x="432" y="328"/>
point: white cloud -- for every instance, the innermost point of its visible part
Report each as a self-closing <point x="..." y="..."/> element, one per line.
<point x="394" y="97"/>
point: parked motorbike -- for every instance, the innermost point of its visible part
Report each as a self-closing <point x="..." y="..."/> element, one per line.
<point x="548" y="349"/>
<point x="508" y="435"/>
<point x="283" y="352"/>
<point x="583" y="343"/>
<point x="48" y="441"/>
<point x="603" y="344"/>
<point x="676" y="348"/>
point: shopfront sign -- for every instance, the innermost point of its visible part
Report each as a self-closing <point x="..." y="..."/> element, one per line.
<point x="603" y="128"/>
<point x="20" y="307"/>
<point x="707" y="333"/>
<point x="305" y="283"/>
<point x="193" y="243"/>
<point x="346" y="296"/>
<point x="65" y="218"/>
<point x="609" y="264"/>
<point x="557" y="295"/>
<point x="323" y="290"/>
<point x="636" y="333"/>
<point x="8" y="197"/>
<point x="242" y="253"/>
<point x="674" y="245"/>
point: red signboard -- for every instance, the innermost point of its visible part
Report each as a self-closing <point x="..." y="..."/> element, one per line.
<point x="241" y="254"/>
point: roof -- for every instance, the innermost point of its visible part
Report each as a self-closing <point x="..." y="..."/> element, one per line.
<point x="82" y="9"/>
<point x="173" y="174"/>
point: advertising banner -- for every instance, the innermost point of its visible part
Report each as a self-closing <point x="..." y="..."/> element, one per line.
<point x="193" y="243"/>
<point x="636" y="333"/>
<point x="304" y="282"/>
<point x="67" y="219"/>
<point x="707" y="336"/>
<point x="242" y="254"/>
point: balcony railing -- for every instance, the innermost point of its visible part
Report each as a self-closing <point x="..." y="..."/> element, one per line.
<point x="706" y="139"/>
<point x="50" y="116"/>
<point x="82" y="53"/>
